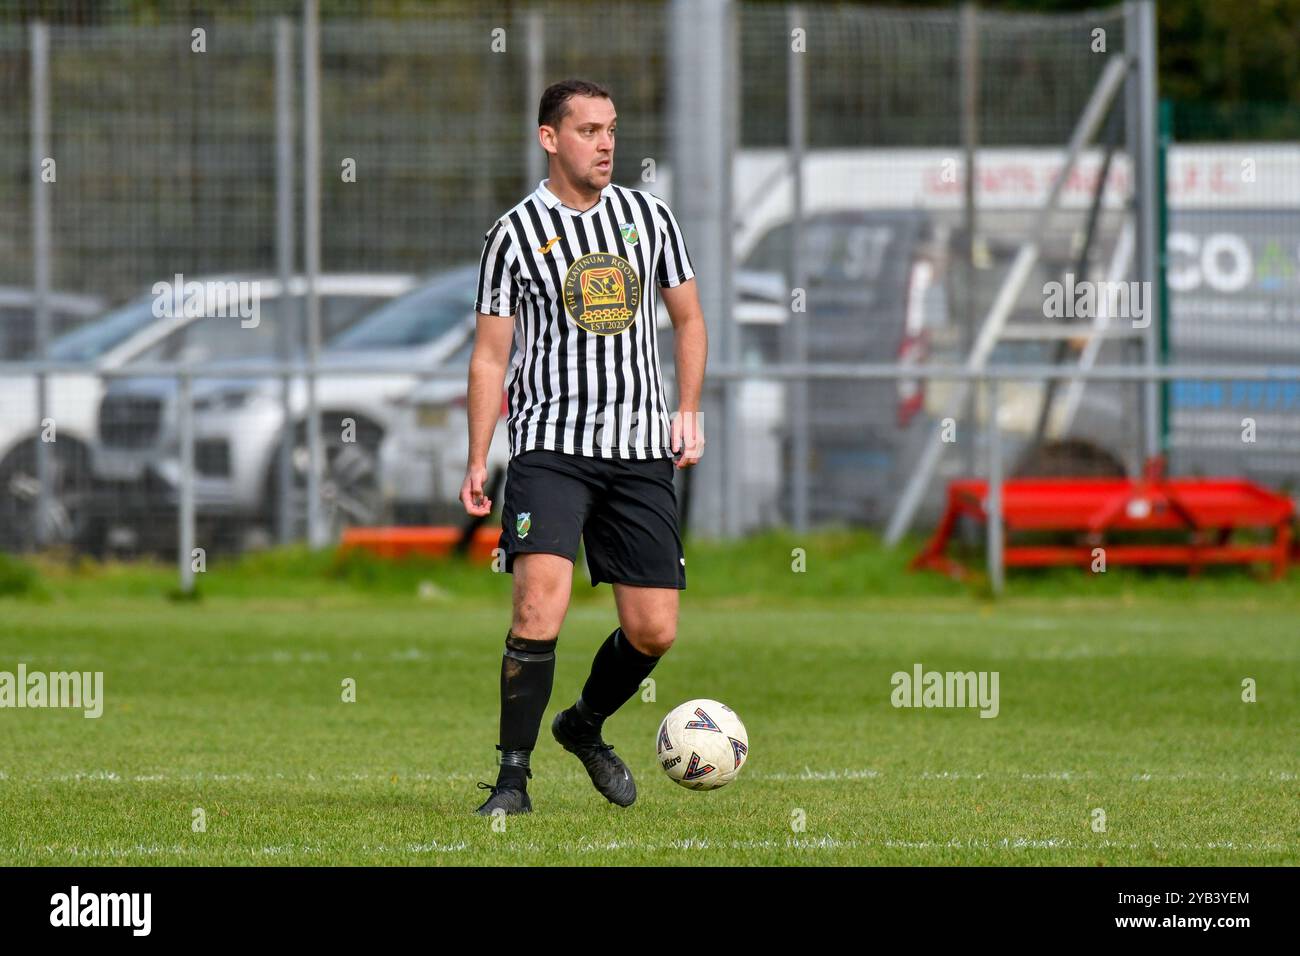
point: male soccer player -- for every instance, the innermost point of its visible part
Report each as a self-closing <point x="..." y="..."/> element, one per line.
<point x="570" y="275"/>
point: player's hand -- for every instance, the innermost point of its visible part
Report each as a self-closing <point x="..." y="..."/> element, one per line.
<point x="687" y="438"/>
<point x="472" y="496"/>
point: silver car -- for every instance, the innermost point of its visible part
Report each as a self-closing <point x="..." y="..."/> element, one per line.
<point x="134" y="332"/>
<point x="135" y="459"/>
<point x="240" y="423"/>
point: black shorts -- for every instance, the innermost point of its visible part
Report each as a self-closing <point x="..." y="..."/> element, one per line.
<point x="624" y="511"/>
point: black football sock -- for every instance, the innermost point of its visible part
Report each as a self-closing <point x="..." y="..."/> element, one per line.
<point x="527" y="673"/>
<point x="616" y="674"/>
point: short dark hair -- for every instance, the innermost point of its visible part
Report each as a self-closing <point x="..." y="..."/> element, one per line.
<point x="555" y="101"/>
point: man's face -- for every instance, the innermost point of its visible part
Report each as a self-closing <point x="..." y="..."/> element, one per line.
<point x="584" y="141"/>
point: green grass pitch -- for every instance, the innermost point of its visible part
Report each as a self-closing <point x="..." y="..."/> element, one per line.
<point x="1122" y="695"/>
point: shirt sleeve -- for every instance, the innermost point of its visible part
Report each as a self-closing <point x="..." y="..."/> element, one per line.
<point x="498" y="290"/>
<point x="674" y="259"/>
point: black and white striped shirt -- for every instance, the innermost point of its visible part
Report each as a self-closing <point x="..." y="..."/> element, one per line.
<point x="585" y="377"/>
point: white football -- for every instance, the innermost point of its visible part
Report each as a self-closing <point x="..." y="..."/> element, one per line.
<point x="702" y="744"/>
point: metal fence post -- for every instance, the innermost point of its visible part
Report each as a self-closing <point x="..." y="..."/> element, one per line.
<point x="185" y="517"/>
<point x="311" y="255"/>
<point x="798" y="119"/>
<point x="733" y="462"/>
<point x="701" y="120"/>
<point x="970" y="79"/>
<point x="993" y="496"/>
<point x="1160" y="312"/>
<point x="284" y="257"/>
<point x="534" y="159"/>
<point x="40" y="78"/>
<point x="1140" y="36"/>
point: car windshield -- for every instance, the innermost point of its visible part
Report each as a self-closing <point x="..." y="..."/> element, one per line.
<point x="420" y="317"/>
<point x="93" y="340"/>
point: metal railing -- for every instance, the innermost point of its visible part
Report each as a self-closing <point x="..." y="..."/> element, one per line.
<point x="986" y="380"/>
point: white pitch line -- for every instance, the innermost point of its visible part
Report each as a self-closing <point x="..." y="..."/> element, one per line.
<point x="808" y="774"/>
<point x="679" y="845"/>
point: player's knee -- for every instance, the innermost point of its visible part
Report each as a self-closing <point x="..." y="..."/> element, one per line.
<point x="536" y="618"/>
<point x="653" y="637"/>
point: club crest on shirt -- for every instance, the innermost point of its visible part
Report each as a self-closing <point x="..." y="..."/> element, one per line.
<point x="630" y="235"/>
<point x="523" y="523"/>
<point x="601" y="293"/>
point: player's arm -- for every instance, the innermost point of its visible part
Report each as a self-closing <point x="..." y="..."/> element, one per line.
<point x="487" y="374"/>
<point x="691" y="349"/>
<point x="495" y="304"/>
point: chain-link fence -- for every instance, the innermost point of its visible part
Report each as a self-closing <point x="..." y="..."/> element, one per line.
<point x="929" y="144"/>
<point x="164" y="139"/>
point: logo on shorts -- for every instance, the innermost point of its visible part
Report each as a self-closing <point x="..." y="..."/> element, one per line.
<point x="601" y="293"/>
<point x="630" y="235"/>
<point x="523" y="523"/>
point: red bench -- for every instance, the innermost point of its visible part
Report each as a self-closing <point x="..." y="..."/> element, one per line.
<point x="1208" y="510"/>
<point x="428" y="542"/>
